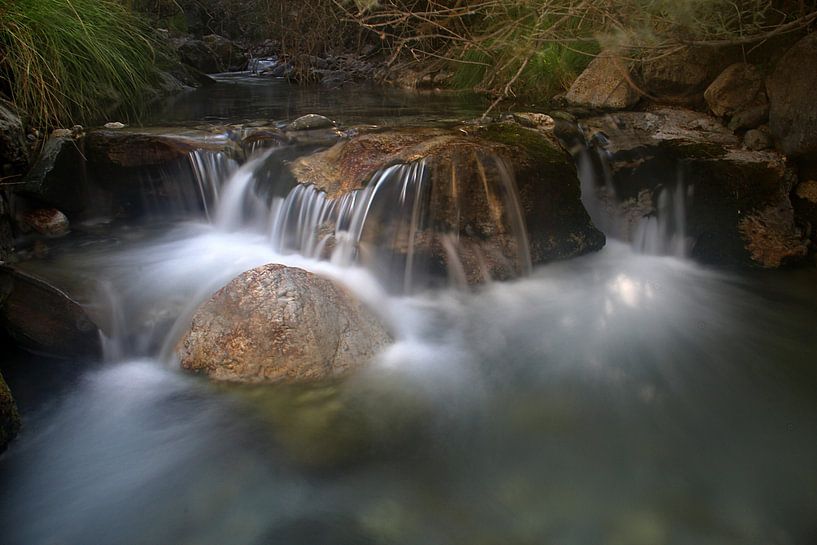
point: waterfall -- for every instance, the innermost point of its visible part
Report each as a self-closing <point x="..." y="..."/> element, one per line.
<point x="209" y="169"/>
<point x="653" y="220"/>
<point x="390" y="226"/>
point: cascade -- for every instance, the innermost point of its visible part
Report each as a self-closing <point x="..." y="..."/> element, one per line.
<point x="395" y="225"/>
<point x="653" y="221"/>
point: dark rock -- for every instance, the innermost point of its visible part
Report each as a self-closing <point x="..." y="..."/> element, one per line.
<point x="682" y="76"/>
<point x="757" y="139"/>
<point x="793" y="110"/>
<point x="43" y="318"/>
<point x="13" y="145"/>
<point x="607" y="83"/>
<point x="9" y="417"/>
<point x="750" y="118"/>
<point x="46" y="221"/>
<point x="736" y="89"/>
<point x="277" y="323"/>
<point x="57" y="178"/>
<point x="740" y="212"/>
<point x="6" y="235"/>
<point x="804" y="199"/>
<point x="229" y="55"/>
<point x="197" y="54"/>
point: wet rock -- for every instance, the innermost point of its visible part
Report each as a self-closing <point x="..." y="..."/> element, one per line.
<point x="682" y="76"/>
<point x="114" y="125"/>
<point x="13" y="145"/>
<point x="469" y="200"/>
<point x="607" y="83"/>
<point x="310" y="122"/>
<point x="277" y="323"/>
<point x="793" y="110"/>
<point x="758" y="139"/>
<point x="739" y="212"/>
<point x="42" y="318"/>
<point x="736" y="89"/>
<point x="9" y="417"/>
<point x="46" y="221"/>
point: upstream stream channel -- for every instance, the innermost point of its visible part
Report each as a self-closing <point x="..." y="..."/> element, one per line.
<point x="617" y="398"/>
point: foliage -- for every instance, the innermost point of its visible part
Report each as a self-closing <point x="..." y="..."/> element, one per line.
<point x="508" y="46"/>
<point x="63" y="60"/>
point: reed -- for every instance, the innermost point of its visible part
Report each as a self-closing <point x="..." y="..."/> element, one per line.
<point x="64" y="61"/>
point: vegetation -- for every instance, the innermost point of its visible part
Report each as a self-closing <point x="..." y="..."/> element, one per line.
<point x="62" y="60"/>
<point x="508" y="46"/>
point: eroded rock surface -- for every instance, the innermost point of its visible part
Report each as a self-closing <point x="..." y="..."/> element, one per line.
<point x="277" y="323"/>
<point x="793" y="109"/>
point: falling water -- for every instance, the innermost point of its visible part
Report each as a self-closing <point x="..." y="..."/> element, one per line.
<point x="388" y="226"/>
<point x="653" y="221"/>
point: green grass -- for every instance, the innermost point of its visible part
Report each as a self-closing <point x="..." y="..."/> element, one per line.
<point x="66" y="61"/>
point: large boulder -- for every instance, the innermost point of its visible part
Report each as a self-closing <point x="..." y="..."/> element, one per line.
<point x="736" y="89"/>
<point x="277" y="323"/>
<point x="43" y="318"/>
<point x="484" y="183"/>
<point x="606" y="83"/>
<point x="737" y="209"/>
<point x="9" y="417"/>
<point x="229" y="55"/>
<point x="793" y="110"/>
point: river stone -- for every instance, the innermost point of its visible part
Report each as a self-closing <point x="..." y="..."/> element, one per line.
<point x="805" y="206"/>
<point x="9" y="417"/>
<point x="757" y="139"/>
<point x="459" y="205"/>
<point x="310" y="122"/>
<point x="793" y="108"/>
<point x="43" y="318"/>
<point x="737" y="88"/>
<point x="46" y="221"/>
<point x="229" y="55"/>
<point x="606" y="83"/>
<point x="277" y="323"/>
<point x="198" y="54"/>
<point x="740" y="213"/>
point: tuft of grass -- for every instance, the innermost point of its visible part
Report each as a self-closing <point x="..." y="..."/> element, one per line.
<point x="65" y="61"/>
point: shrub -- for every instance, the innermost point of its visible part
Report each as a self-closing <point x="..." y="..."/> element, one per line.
<point x="63" y="61"/>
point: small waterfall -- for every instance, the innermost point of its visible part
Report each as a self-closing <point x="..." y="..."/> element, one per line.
<point x="407" y="225"/>
<point x="209" y="169"/>
<point x="653" y="221"/>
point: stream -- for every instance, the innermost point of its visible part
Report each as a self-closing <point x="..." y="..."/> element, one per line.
<point x="617" y="398"/>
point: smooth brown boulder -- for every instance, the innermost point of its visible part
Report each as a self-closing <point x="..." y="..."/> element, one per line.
<point x="606" y="83"/>
<point x="736" y="89"/>
<point x="682" y="76"/>
<point x="276" y="323"/>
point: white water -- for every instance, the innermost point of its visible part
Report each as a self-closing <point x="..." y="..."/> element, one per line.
<point x="654" y="223"/>
<point x="619" y="399"/>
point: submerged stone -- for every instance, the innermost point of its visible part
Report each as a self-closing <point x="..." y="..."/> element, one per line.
<point x="277" y="323"/>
